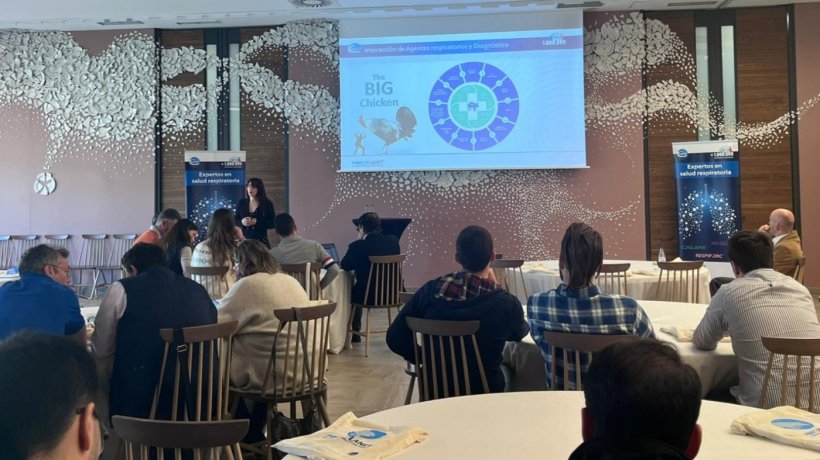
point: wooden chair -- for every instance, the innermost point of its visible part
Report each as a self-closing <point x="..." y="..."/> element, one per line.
<point x="799" y="348"/>
<point x="293" y="384"/>
<point x="91" y="258"/>
<point x="799" y="268"/>
<point x="149" y="439"/>
<point x="212" y="278"/>
<point x="384" y="283"/>
<point x="509" y="275"/>
<point x="612" y="278"/>
<point x="577" y="344"/>
<point x="679" y="281"/>
<point x="410" y="369"/>
<point x="445" y="362"/>
<point x="307" y="274"/>
<point x="209" y="364"/>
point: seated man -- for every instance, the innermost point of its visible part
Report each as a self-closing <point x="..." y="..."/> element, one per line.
<point x="759" y="303"/>
<point x="41" y="299"/>
<point x="787" y="246"/>
<point x="293" y="249"/>
<point x="577" y="305"/>
<point x="371" y="242"/>
<point x="162" y="223"/>
<point x="128" y="323"/>
<point x="642" y="402"/>
<point x="47" y="388"/>
<point x="463" y="296"/>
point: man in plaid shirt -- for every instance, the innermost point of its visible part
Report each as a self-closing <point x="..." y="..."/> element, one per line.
<point x="577" y="305"/>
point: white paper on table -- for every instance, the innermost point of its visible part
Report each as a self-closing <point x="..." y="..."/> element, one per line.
<point x="784" y="424"/>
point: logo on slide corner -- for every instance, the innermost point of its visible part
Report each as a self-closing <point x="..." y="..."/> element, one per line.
<point x="354" y="48"/>
<point x="473" y="106"/>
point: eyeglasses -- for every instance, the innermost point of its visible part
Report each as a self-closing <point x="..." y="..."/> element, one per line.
<point x="103" y="431"/>
<point x="67" y="269"/>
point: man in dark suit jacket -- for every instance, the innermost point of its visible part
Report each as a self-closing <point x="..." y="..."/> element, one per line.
<point x="371" y="242"/>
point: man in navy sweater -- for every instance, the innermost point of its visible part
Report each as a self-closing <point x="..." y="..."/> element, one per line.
<point x="470" y="294"/>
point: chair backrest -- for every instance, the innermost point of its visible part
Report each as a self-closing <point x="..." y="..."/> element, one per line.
<point x="92" y="252"/>
<point x="209" y="363"/>
<point x="295" y="378"/>
<point x="443" y="361"/>
<point x="308" y="276"/>
<point x="5" y="252"/>
<point x="799" y="268"/>
<point x="612" y="278"/>
<point x="212" y="278"/>
<point x="800" y="349"/>
<point x="120" y="244"/>
<point x="679" y="281"/>
<point x="384" y="281"/>
<point x="146" y="439"/>
<point x="576" y="344"/>
<point x="20" y="244"/>
<point x="57" y="241"/>
<point x="509" y="275"/>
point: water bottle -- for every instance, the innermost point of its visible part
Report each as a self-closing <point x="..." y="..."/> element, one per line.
<point x="661" y="255"/>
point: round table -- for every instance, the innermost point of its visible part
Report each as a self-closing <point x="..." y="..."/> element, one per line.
<point x="717" y="369"/>
<point x="548" y="424"/>
<point x="642" y="279"/>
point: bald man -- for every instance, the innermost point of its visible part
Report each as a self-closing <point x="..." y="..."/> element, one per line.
<point x="787" y="246"/>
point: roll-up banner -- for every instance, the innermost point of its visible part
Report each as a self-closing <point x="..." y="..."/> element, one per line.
<point x="708" y="182"/>
<point x="213" y="180"/>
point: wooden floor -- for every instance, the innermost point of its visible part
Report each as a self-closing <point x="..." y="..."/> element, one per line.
<point x="364" y="385"/>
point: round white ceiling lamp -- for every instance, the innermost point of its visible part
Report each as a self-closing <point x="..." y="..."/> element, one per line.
<point x="310" y="3"/>
<point x="44" y="183"/>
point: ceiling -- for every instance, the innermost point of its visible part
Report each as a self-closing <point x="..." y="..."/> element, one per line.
<point x="175" y="14"/>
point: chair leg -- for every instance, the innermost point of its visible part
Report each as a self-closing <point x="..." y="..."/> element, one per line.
<point x="269" y="424"/>
<point x="389" y="316"/>
<point x="349" y="336"/>
<point x="367" y="337"/>
<point x="323" y="410"/>
<point x="409" y="396"/>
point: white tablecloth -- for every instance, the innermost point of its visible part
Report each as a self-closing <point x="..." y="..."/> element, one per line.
<point x="717" y="369"/>
<point x="548" y="425"/>
<point x="642" y="279"/>
<point x="339" y="291"/>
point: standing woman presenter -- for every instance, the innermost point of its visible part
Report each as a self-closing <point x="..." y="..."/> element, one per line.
<point x="255" y="213"/>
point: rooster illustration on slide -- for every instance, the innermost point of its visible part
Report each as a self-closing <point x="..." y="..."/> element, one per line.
<point x="391" y="131"/>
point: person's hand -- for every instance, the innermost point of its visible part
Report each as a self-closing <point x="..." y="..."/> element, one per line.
<point x="246" y="221"/>
<point x="764" y="228"/>
<point x="252" y="220"/>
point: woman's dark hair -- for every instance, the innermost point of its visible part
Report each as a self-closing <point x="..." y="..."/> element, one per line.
<point x="222" y="237"/>
<point x="261" y="195"/>
<point x="582" y="250"/>
<point x="178" y="237"/>
<point x="253" y="257"/>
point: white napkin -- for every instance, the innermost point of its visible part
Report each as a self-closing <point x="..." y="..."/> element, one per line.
<point x="350" y="437"/>
<point x="684" y="334"/>
<point x="784" y="424"/>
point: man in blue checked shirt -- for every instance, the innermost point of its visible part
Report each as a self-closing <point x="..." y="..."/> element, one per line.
<point x="577" y="305"/>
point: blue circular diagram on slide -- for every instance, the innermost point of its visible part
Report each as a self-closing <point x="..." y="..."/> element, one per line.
<point x="473" y="106"/>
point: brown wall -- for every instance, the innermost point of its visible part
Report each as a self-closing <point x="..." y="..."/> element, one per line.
<point x="807" y="43"/>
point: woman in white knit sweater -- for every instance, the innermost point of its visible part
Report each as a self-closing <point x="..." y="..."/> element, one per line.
<point x="261" y="289"/>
